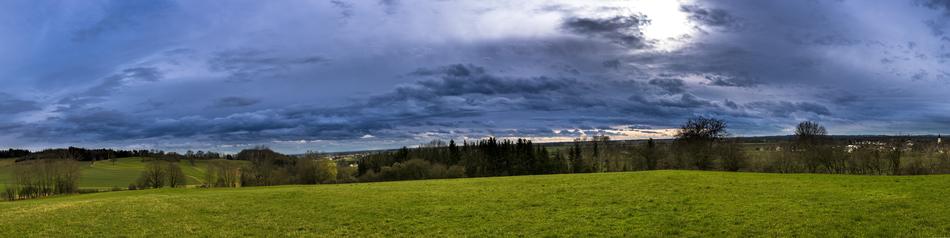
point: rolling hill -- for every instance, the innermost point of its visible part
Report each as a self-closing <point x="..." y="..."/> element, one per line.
<point x="105" y="175"/>
<point x="652" y="203"/>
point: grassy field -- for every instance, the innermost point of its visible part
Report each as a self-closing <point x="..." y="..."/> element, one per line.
<point x="655" y="203"/>
<point x="105" y="175"/>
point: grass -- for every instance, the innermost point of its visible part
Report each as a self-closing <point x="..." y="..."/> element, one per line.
<point x="104" y="175"/>
<point x="654" y="203"/>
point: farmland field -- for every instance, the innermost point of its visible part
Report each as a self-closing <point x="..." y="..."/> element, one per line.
<point x="104" y="175"/>
<point x="653" y="203"/>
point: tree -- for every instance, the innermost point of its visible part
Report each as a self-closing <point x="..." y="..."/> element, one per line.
<point x="223" y="173"/>
<point x="154" y="175"/>
<point x="326" y="171"/>
<point x="577" y="161"/>
<point x="112" y="158"/>
<point x="810" y="131"/>
<point x="454" y="153"/>
<point x="895" y="159"/>
<point x="731" y="156"/>
<point x="809" y="145"/>
<point x="702" y="129"/>
<point x="44" y="177"/>
<point x="650" y="154"/>
<point x="455" y="171"/>
<point x="695" y="141"/>
<point x="176" y="178"/>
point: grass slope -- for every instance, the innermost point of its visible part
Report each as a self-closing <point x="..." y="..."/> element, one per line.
<point x="104" y="175"/>
<point x="655" y="203"/>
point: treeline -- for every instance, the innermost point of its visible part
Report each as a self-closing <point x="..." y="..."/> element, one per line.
<point x="813" y="151"/>
<point x="488" y="157"/>
<point x="700" y="144"/>
<point x="40" y="178"/>
<point x="13" y="153"/>
<point x="83" y="154"/>
<point x="251" y="167"/>
<point x="264" y="167"/>
<point x="158" y="174"/>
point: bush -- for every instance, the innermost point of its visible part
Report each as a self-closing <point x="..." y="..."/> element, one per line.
<point x="369" y="176"/>
<point x="438" y="171"/>
<point x="326" y="171"/>
<point x="9" y="193"/>
<point x="87" y="190"/>
<point x="409" y="170"/>
<point x="731" y="156"/>
<point x="455" y="171"/>
<point x="916" y="166"/>
<point x="346" y="174"/>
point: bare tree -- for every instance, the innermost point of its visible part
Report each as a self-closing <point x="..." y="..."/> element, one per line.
<point x="695" y="141"/>
<point x="702" y="129"/>
<point x="176" y="178"/>
<point x="153" y="176"/>
<point x="809" y="138"/>
<point x="223" y="173"/>
<point x="810" y="132"/>
<point x="43" y="177"/>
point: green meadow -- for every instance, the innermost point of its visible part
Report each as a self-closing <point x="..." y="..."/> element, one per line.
<point x="105" y="175"/>
<point x="652" y="203"/>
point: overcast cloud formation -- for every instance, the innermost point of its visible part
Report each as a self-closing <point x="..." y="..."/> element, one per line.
<point x="335" y="75"/>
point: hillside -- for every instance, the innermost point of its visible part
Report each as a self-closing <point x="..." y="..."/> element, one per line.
<point x="104" y="175"/>
<point x="655" y="203"/>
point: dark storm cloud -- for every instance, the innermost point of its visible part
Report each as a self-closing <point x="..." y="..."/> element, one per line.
<point x="784" y="108"/>
<point x="710" y="17"/>
<point x="670" y="85"/>
<point x="244" y="65"/>
<point x="11" y="105"/>
<point x="729" y="81"/>
<point x="449" y="98"/>
<point x="460" y="79"/>
<point x="235" y="102"/>
<point x="682" y="101"/>
<point x="943" y="5"/>
<point x="152" y="73"/>
<point x="623" y="30"/>
<point x="112" y="84"/>
<point x="455" y="70"/>
<point x="940" y="25"/>
<point x="466" y="90"/>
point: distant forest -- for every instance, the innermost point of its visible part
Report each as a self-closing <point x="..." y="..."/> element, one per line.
<point x="701" y="144"/>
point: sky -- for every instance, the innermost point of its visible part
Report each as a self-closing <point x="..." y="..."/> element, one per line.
<point x="342" y="75"/>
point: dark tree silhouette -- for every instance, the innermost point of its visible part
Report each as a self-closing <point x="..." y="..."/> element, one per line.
<point x="696" y="139"/>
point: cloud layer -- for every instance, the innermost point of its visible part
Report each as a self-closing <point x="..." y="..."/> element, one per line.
<point x="347" y="75"/>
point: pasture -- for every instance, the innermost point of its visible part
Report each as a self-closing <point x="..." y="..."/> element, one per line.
<point x="651" y="203"/>
<point x="105" y="175"/>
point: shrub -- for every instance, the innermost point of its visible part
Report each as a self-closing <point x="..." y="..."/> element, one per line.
<point x="731" y="156"/>
<point x="455" y="171"/>
<point x="346" y="174"/>
<point x="326" y="171"/>
<point x="411" y="169"/>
